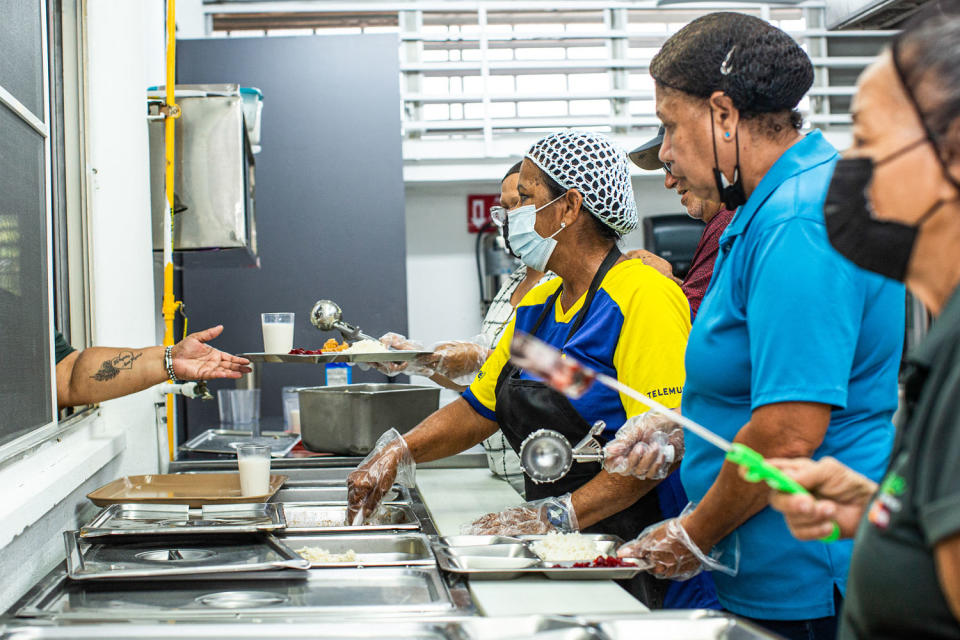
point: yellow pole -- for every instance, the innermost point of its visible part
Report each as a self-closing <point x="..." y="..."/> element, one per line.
<point x="170" y="304"/>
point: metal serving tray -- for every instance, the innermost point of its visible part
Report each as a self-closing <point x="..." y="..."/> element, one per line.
<point x="504" y="558"/>
<point x="302" y="518"/>
<point x="225" y="441"/>
<point x="339" y="593"/>
<point x="324" y="358"/>
<point x="173" y="558"/>
<point x="330" y="494"/>
<point x="378" y="550"/>
<point x="180" y="519"/>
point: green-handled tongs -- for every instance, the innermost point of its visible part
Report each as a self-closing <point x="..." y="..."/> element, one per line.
<point x="573" y="378"/>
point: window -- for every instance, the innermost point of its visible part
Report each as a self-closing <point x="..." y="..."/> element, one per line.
<point x="26" y="385"/>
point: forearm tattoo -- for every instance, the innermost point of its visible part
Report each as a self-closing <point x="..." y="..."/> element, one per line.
<point x="110" y="369"/>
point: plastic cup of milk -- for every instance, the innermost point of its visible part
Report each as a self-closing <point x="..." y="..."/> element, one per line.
<point x="277" y="332"/>
<point x="254" y="463"/>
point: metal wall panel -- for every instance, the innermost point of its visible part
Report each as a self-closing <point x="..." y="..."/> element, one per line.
<point x="330" y="197"/>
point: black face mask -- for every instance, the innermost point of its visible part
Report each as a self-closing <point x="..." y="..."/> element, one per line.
<point x="881" y="246"/>
<point x="732" y="194"/>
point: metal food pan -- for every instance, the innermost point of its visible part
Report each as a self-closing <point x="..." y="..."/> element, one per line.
<point x="314" y="518"/>
<point x="333" y="494"/>
<point x="473" y="541"/>
<point x="336" y="476"/>
<point x="337" y="593"/>
<point x="377" y="550"/>
<point x="349" y="419"/>
<point x="225" y="441"/>
<point x="174" y="558"/>
<point x="179" y="519"/>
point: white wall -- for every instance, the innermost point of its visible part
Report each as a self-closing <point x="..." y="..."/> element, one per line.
<point x="44" y="492"/>
<point x="443" y="298"/>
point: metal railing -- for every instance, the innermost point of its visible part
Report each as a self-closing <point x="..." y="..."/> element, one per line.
<point x="480" y="72"/>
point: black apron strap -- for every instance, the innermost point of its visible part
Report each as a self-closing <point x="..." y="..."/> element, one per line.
<point x="612" y="256"/>
<point x="611" y="259"/>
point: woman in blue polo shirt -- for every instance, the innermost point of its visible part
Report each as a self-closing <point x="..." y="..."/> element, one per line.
<point x="795" y="350"/>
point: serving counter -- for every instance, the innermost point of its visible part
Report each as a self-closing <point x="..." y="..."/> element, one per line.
<point x="371" y="602"/>
<point x="457" y="496"/>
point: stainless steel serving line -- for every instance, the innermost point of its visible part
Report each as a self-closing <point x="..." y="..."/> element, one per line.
<point x="399" y="592"/>
<point x="679" y="625"/>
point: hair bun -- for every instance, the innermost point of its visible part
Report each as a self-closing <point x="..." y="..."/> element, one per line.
<point x="766" y="73"/>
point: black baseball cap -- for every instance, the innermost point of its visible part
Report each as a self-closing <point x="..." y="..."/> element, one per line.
<point x="646" y="156"/>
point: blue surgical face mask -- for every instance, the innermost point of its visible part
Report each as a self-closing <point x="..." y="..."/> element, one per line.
<point x="533" y="249"/>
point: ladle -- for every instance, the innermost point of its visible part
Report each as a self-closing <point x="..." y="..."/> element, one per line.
<point x="326" y="315"/>
<point x="546" y="455"/>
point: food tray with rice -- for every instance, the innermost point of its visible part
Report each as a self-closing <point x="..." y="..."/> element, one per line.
<point x="564" y="556"/>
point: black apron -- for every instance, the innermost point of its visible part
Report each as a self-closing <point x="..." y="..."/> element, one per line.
<point x="523" y="406"/>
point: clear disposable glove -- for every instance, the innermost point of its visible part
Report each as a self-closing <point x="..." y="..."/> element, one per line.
<point x="536" y="517"/>
<point x="460" y="360"/>
<point x="669" y="552"/>
<point x="390" y="461"/>
<point x="398" y="342"/>
<point x="646" y="447"/>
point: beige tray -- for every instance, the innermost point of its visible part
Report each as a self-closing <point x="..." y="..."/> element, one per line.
<point x="194" y="489"/>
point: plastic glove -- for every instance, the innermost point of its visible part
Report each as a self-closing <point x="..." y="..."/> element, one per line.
<point x="538" y="516"/>
<point x="646" y="447"/>
<point x="669" y="551"/>
<point x="399" y="343"/>
<point x="390" y="461"/>
<point x="460" y="360"/>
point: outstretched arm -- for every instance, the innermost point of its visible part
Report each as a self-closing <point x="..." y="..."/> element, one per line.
<point x="102" y="373"/>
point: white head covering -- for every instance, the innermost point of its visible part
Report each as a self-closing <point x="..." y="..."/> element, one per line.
<point x="591" y="164"/>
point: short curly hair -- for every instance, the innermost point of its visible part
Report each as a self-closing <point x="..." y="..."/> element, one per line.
<point x="761" y="68"/>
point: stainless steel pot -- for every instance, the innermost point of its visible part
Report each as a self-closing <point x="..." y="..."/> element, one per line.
<point x="348" y="419"/>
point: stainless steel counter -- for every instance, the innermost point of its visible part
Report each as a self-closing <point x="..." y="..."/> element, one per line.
<point x="678" y="625"/>
<point x="371" y="602"/>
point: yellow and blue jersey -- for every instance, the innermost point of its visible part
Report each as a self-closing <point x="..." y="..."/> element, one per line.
<point x="635" y="330"/>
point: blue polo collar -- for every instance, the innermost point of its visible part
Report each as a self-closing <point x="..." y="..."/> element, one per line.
<point x="811" y="151"/>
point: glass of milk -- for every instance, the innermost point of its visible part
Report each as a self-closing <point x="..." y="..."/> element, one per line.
<point x="254" y="463"/>
<point x="277" y="332"/>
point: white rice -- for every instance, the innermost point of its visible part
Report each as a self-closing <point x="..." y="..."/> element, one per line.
<point x="566" y="547"/>
<point x="310" y="520"/>
<point x="318" y="555"/>
<point x="366" y="346"/>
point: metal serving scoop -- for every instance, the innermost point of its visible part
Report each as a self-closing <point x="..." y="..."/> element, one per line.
<point x="326" y="315"/>
<point x="546" y="455"/>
